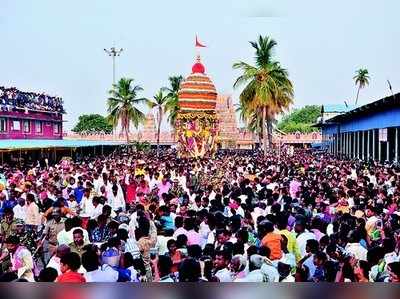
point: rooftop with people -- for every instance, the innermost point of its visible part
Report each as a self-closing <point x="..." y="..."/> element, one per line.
<point x="12" y="99"/>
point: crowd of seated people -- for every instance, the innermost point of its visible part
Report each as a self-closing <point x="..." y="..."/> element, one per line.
<point x="12" y="98"/>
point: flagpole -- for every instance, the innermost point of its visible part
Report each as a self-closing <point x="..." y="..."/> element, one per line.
<point x="197" y="47"/>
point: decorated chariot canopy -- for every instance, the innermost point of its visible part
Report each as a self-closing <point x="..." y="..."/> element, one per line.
<point x="197" y="123"/>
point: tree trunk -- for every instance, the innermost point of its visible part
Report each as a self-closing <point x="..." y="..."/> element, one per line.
<point x="127" y="130"/>
<point x="265" y="143"/>
<point x="260" y="136"/>
<point x="358" y="93"/>
<point x="158" y="130"/>
<point x="269" y="130"/>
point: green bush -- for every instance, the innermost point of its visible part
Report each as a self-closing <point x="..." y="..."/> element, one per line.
<point x="300" y="120"/>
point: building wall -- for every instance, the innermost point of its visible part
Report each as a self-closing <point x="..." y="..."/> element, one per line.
<point x="23" y="125"/>
<point x="378" y="120"/>
<point x="375" y="135"/>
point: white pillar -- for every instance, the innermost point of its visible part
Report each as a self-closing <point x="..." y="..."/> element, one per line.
<point x="368" y="141"/>
<point x="362" y="145"/>
<point x="373" y="144"/>
<point x="387" y="149"/>
<point x="344" y="144"/>
<point x="348" y="145"/>
<point x="396" y="146"/>
<point x="341" y="145"/>
<point x="379" y="150"/>
<point x="358" y="144"/>
<point x="336" y="144"/>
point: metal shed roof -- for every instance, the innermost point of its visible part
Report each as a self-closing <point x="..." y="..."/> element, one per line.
<point x="12" y="144"/>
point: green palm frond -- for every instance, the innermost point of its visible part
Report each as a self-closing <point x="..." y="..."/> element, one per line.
<point x="267" y="89"/>
<point x="361" y="78"/>
<point x="172" y="103"/>
<point x="122" y="105"/>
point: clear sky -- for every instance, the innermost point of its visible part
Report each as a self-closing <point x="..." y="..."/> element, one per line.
<point x="57" y="46"/>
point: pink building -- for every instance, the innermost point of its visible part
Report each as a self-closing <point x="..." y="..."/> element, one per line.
<point x="20" y="124"/>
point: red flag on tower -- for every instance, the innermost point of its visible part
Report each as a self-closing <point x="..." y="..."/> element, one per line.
<point x="198" y="44"/>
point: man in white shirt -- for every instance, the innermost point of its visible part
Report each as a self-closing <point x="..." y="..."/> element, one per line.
<point x="312" y="248"/>
<point x="86" y="204"/>
<point x="372" y="220"/>
<point x="65" y="237"/>
<point x="179" y="227"/>
<point x="354" y="247"/>
<point x="54" y="262"/>
<point x="20" y="210"/>
<point x="162" y="241"/>
<point x="303" y="236"/>
<point x="221" y="265"/>
<point x="255" y="274"/>
<point x="153" y="182"/>
<point x="204" y="231"/>
<point x="96" y="183"/>
<point x="116" y="199"/>
<point x="97" y="208"/>
<point x="95" y="272"/>
<point x="389" y="245"/>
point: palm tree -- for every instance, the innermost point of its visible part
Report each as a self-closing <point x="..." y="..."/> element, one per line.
<point x="172" y="105"/>
<point x="268" y="89"/>
<point x="252" y="119"/>
<point x="122" y="105"/>
<point x="159" y="102"/>
<point x="361" y="79"/>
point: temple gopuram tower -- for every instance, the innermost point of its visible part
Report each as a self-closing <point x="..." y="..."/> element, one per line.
<point x="228" y="133"/>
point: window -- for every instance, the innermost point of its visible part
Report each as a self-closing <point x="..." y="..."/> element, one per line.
<point x="38" y="126"/>
<point x="56" y="128"/>
<point x="16" y="125"/>
<point x="3" y="125"/>
<point x="27" y="126"/>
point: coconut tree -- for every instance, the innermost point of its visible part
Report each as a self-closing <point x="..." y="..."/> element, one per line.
<point x="172" y="104"/>
<point x="267" y="86"/>
<point x="252" y="119"/>
<point x="159" y="102"/>
<point x="361" y="79"/>
<point x="122" y="105"/>
<point x="254" y="122"/>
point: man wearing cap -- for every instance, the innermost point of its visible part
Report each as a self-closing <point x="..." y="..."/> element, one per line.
<point x="27" y="237"/>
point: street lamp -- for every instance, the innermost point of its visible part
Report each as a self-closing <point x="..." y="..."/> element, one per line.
<point x="390" y="87"/>
<point x="113" y="52"/>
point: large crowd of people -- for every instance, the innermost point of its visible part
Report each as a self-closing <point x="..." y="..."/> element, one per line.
<point x="237" y="217"/>
<point x="12" y="98"/>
